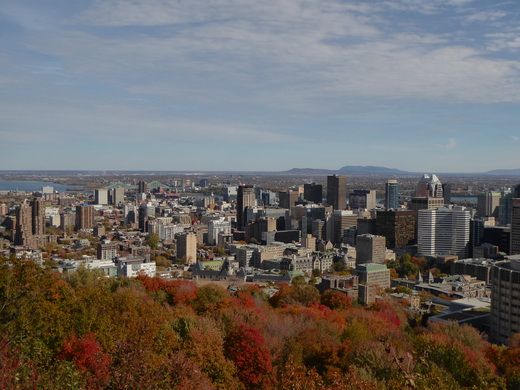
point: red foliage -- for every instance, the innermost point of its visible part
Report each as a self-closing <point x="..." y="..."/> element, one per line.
<point x="178" y="291"/>
<point x="245" y="346"/>
<point x="336" y="300"/>
<point x="86" y="353"/>
<point x="387" y="312"/>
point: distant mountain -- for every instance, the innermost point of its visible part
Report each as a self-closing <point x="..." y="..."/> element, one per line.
<point x="504" y="172"/>
<point x="350" y="170"/>
<point x="372" y="170"/>
<point x="308" y="171"/>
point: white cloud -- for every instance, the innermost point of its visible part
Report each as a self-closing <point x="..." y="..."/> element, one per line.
<point x="451" y="143"/>
<point x="291" y="54"/>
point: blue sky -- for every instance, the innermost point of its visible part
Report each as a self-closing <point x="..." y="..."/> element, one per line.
<point x="420" y="85"/>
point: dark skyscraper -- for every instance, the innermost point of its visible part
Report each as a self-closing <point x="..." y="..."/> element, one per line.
<point x="245" y="198"/>
<point x="391" y="195"/>
<point x="38" y="217"/>
<point x="337" y="192"/>
<point x="143" y="187"/>
<point x="288" y="198"/>
<point x="84" y="217"/>
<point x="515" y="227"/>
<point x="23" y="224"/>
<point x="313" y="192"/>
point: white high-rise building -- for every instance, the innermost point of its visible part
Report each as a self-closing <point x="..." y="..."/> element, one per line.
<point x="101" y="196"/>
<point x="443" y="231"/>
<point x="215" y="227"/>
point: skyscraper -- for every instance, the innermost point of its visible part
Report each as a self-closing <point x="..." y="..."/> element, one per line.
<point x="117" y="195"/>
<point x="245" y="198"/>
<point x="488" y="203"/>
<point x="38" y="217"/>
<point x="515" y="226"/>
<point x="337" y="192"/>
<point x="505" y="311"/>
<point x="429" y="187"/>
<point x="101" y="196"/>
<point x="391" y="195"/>
<point x="142" y="187"/>
<point x="23" y="224"/>
<point x="370" y="249"/>
<point x="288" y="199"/>
<point x="84" y="217"/>
<point x="443" y="231"/>
<point x="187" y="247"/>
<point x="397" y="226"/>
<point x="362" y="199"/>
<point x="313" y="192"/>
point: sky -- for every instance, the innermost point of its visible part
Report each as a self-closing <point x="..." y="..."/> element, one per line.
<point x="417" y="85"/>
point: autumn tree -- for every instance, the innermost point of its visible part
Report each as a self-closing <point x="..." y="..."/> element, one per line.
<point x="245" y="346"/>
<point x="87" y="355"/>
<point x="334" y="299"/>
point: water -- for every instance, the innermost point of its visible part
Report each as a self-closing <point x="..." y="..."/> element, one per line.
<point x="31" y="186"/>
<point x="468" y="199"/>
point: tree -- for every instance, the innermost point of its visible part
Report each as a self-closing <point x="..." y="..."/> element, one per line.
<point x="86" y="354"/>
<point x="245" y="346"/>
<point x="334" y="299"/>
<point x="298" y="280"/>
<point x="153" y="241"/>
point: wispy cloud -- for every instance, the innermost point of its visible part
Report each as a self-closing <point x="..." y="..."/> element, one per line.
<point x="266" y="72"/>
<point x="452" y="143"/>
<point x="515" y="138"/>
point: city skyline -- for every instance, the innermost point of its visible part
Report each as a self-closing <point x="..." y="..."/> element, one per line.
<point x="270" y="86"/>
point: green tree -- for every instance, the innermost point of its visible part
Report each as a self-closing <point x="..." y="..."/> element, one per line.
<point x="153" y="241"/>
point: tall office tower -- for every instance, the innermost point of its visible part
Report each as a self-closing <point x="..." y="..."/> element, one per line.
<point x="429" y="194"/>
<point x="429" y="187"/>
<point x="342" y="219"/>
<point x="505" y="311"/>
<point x="106" y="250"/>
<point x="487" y="204"/>
<point x="499" y="236"/>
<point x="245" y="198"/>
<point x="362" y="199"/>
<point x="84" y="217"/>
<point x="38" y="217"/>
<point x="370" y="249"/>
<point x="23" y="224"/>
<point x="230" y="193"/>
<point x="391" y="195"/>
<point x="117" y="195"/>
<point x="142" y="187"/>
<point x="313" y="192"/>
<point x="101" y="196"/>
<point x="504" y="208"/>
<point x="187" y="247"/>
<point x="397" y="226"/>
<point x="145" y="212"/>
<point x="515" y="226"/>
<point x="337" y="192"/>
<point x="516" y="191"/>
<point x="446" y="193"/>
<point x="443" y="231"/>
<point x="476" y="234"/>
<point x="215" y="227"/>
<point x="288" y="199"/>
<point x="67" y="220"/>
<point x="318" y="229"/>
